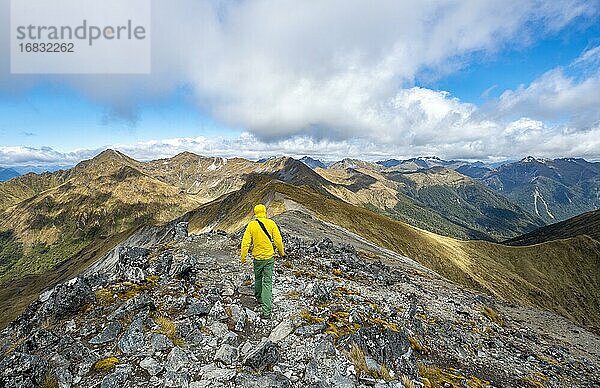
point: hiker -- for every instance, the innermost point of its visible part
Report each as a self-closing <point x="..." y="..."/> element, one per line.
<point x="262" y="233"/>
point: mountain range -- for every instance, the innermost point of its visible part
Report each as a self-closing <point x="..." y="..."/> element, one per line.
<point x="8" y="173"/>
<point x="550" y="189"/>
<point x="423" y="218"/>
<point x="424" y="214"/>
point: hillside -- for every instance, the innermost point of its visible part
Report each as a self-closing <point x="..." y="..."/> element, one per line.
<point x="111" y="195"/>
<point x="99" y="198"/>
<point x="587" y="224"/>
<point x="560" y="276"/>
<point x="466" y="203"/>
<point x="437" y="199"/>
<point x="8" y="173"/>
<point x="553" y="189"/>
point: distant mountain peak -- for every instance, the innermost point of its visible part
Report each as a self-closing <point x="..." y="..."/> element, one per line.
<point x="529" y="159"/>
<point x="110" y="153"/>
<point x="7" y="173"/>
<point x="313" y="163"/>
<point x="264" y="160"/>
<point x="186" y="154"/>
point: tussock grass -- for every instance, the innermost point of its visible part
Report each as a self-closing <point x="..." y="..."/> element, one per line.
<point x="358" y="359"/>
<point x="492" y="315"/>
<point x="383" y="323"/>
<point x="293" y="294"/>
<point x="168" y="328"/>
<point x="433" y="377"/>
<point x="308" y="317"/>
<point x="339" y="325"/>
<point x="343" y="291"/>
<point x="536" y="380"/>
<point x="407" y="382"/>
<point x="124" y="291"/>
<point x="417" y="346"/>
<point x="106" y="364"/>
<point x="50" y="381"/>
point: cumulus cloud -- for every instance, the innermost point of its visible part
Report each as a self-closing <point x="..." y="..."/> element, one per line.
<point x="519" y="138"/>
<point x="338" y="77"/>
<point x="44" y="156"/>
<point x="556" y="96"/>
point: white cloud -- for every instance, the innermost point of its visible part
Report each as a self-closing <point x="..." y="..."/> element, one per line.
<point x="556" y="97"/>
<point x="519" y="138"/>
<point x="337" y="78"/>
<point x="45" y="156"/>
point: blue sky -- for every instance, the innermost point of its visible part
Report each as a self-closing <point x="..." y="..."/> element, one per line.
<point x="516" y="65"/>
<point x="60" y="118"/>
<point x="474" y="80"/>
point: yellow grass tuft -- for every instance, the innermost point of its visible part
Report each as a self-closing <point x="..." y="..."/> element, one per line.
<point x="536" y="380"/>
<point x="417" y="347"/>
<point x="293" y="294"/>
<point x="342" y="291"/>
<point x="106" y="364"/>
<point x="124" y="291"/>
<point x="308" y="317"/>
<point x="407" y="382"/>
<point x="167" y="327"/>
<point x="288" y="264"/>
<point x="105" y="297"/>
<point x="339" y="326"/>
<point x="357" y="357"/>
<point x="383" y="323"/>
<point x="50" y="381"/>
<point x="492" y="315"/>
<point x="433" y="377"/>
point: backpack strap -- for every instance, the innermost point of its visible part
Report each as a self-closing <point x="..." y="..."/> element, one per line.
<point x="262" y="226"/>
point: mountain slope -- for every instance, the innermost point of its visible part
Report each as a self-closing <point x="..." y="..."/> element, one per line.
<point x="98" y="198"/>
<point x="313" y="163"/>
<point x="438" y="199"/>
<point x="28" y="185"/>
<point x="467" y="203"/>
<point x="50" y="218"/>
<point x="584" y="224"/>
<point x="560" y="276"/>
<point x="8" y="173"/>
<point x="553" y="189"/>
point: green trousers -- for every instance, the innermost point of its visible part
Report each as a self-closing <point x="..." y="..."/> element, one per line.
<point x="263" y="284"/>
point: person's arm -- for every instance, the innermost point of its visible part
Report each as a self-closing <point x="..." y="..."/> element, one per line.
<point x="277" y="240"/>
<point x="246" y="240"/>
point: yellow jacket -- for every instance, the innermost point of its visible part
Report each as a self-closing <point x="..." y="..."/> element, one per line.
<point x="262" y="248"/>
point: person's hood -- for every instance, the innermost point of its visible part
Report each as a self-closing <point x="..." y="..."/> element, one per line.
<point x="260" y="210"/>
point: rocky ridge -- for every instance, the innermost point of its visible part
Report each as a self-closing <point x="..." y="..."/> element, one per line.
<point x="181" y="313"/>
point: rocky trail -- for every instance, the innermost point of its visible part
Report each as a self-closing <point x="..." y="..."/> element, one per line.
<point x="181" y="313"/>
